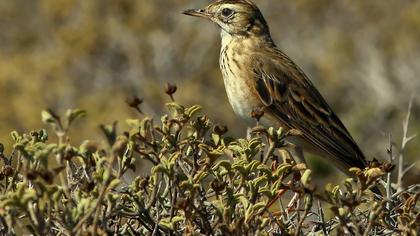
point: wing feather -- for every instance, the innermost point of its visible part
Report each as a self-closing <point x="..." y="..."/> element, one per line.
<point x="291" y="97"/>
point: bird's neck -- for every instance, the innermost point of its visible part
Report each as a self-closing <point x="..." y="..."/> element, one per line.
<point x="259" y="41"/>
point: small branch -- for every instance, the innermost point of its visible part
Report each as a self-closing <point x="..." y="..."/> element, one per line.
<point x="18" y="167"/>
<point x="405" y="140"/>
<point x="156" y="228"/>
<point x="388" y="176"/>
<point x="321" y="218"/>
<point x="270" y="150"/>
<point x="96" y="208"/>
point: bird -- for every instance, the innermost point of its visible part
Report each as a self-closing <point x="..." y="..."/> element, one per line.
<point x="257" y="74"/>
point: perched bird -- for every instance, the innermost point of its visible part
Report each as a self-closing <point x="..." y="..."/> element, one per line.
<point x="257" y="74"/>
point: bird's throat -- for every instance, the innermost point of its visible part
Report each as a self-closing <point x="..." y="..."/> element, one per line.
<point x="226" y="38"/>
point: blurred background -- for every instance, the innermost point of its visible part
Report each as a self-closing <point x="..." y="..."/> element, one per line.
<point x="364" y="57"/>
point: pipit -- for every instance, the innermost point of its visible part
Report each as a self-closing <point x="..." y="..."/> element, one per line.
<point x="257" y="74"/>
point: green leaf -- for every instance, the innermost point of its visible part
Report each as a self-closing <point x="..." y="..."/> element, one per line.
<point x="114" y="183"/>
<point x="177" y="219"/>
<point x="170" y="224"/>
<point x="73" y="115"/>
<point x="145" y="126"/>
<point x="15" y="136"/>
<point x="306" y="177"/>
<point x="159" y="168"/>
<point x="200" y="176"/>
<point x="47" y="117"/>
<point x="191" y="111"/>
<point x="260" y="180"/>
<point x="240" y="166"/>
<point x="252" y="166"/>
<point x="266" y="191"/>
<point x="216" y="138"/>
<point x="282" y="168"/>
<point x="258" y="206"/>
<point x="174" y="157"/>
<point x="175" y="109"/>
<point x="224" y="163"/>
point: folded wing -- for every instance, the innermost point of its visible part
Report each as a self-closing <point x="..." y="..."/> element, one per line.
<point x="292" y="98"/>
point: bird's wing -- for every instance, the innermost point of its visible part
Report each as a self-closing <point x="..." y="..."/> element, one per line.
<point x="292" y="98"/>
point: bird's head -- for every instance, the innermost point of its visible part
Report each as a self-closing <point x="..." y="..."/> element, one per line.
<point x="235" y="17"/>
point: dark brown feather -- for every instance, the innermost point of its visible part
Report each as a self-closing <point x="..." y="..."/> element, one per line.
<point x="292" y="98"/>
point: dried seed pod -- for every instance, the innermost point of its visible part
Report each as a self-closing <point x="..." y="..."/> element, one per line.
<point x="220" y="129"/>
<point x="47" y="176"/>
<point x="170" y="89"/>
<point x="31" y="174"/>
<point x="388" y="167"/>
<point x="7" y="170"/>
<point x="87" y="186"/>
<point x="134" y="102"/>
<point x="374" y="163"/>
<point x="218" y="186"/>
<point x="182" y="203"/>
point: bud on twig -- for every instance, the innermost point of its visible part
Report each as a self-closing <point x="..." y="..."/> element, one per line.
<point x="134" y="102"/>
<point x="170" y="89"/>
<point x="7" y="170"/>
<point x="47" y="176"/>
<point x="220" y="129"/>
<point x="388" y="167"/>
<point x="31" y="174"/>
<point x="87" y="186"/>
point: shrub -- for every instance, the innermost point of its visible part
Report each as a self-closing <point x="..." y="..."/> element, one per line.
<point x="202" y="182"/>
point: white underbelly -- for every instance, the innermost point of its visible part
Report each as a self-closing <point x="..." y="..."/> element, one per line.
<point x="239" y="97"/>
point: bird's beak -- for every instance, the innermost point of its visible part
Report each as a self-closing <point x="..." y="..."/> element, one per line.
<point x="197" y="12"/>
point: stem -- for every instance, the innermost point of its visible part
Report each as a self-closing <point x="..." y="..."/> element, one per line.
<point x="96" y="208"/>
<point x="18" y="167"/>
<point x="270" y="150"/>
<point x="388" y="178"/>
<point x="405" y="140"/>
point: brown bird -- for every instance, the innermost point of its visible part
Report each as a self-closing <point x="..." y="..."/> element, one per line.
<point x="257" y="74"/>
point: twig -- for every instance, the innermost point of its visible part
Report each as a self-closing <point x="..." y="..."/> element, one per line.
<point x="405" y="171"/>
<point x="388" y="176"/>
<point x="98" y="202"/>
<point x="302" y="219"/>
<point x="405" y="140"/>
<point x="156" y="228"/>
<point x="321" y="218"/>
<point x="18" y="167"/>
<point x="270" y="150"/>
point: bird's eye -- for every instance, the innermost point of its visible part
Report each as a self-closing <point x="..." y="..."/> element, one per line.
<point x="227" y="12"/>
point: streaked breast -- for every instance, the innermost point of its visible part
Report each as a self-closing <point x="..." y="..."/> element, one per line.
<point x="238" y="83"/>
